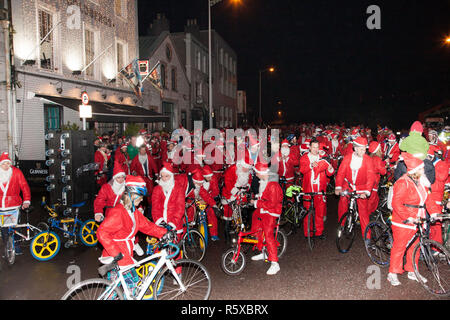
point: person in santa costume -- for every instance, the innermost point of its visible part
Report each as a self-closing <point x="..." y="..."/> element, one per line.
<point x="286" y="164"/>
<point x="434" y="201"/>
<point x="356" y="174"/>
<point x="379" y="168"/>
<point x="316" y="171"/>
<point x="408" y="203"/>
<point x="392" y="150"/>
<point x="122" y="157"/>
<point x="168" y="199"/>
<point x="264" y="220"/>
<point x="101" y="158"/>
<point x="335" y="150"/>
<point x="235" y="177"/>
<point x="12" y="184"/>
<point x="117" y="232"/>
<point x="145" y="166"/>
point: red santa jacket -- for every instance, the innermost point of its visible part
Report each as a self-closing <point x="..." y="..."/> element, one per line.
<point x="434" y="200"/>
<point x="286" y="166"/>
<point x="10" y="191"/>
<point x="123" y="159"/>
<point x="271" y="199"/>
<point x="106" y="198"/>
<point x="365" y="177"/>
<point x="117" y="232"/>
<point x="392" y="152"/>
<point x="101" y="160"/>
<point x="230" y="183"/>
<point x="314" y="178"/>
<point x="407" y="192"/>
<point x="170" y="207"/>
<point x="138" y="168"/>
<point x="379" y="169"/>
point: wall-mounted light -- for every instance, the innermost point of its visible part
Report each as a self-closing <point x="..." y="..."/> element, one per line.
<point x="104" y="95"/>
<point x="76" y="72"/>
<point x="59" y="90"/>
<point x="120" y="99"/>
<point x="29" y="63"/>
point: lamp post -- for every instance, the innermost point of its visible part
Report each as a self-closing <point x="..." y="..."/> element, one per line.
<point x="271" y="69"/>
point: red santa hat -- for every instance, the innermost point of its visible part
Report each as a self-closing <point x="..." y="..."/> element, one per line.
<point x="417" y="127"/>
<point x="198" y="176"/>
<point x="134" y="181"/>
<point x="374" y="146"/>
<point x="118" y="170"/>
<point x="391" y="137"/>
<point x="252" y="141"/>
<point x="5" y="157"/>
<point x="412" y="163"/>
<point x="285" y="142"/>
<point x="262" y="168"/>
<point x="360" y="142"/>
<point x="207" y="171"/>
<point x="167" y="168"/>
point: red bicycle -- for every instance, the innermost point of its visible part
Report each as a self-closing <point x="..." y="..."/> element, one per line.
<point x="233" y="260"/>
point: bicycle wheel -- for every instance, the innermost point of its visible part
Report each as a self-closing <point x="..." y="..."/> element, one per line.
<point x="203" y="229"/>
<point x="311" y="229"/>
<point x="194" y="245"/>
<point x="345" y="232"/>
<point x="231" y="267"/>
<point x="282" y="240"/>
<point x="45" y="245"/>
<point x="379" y="243"/>
<point x="434" y="267"/>
<point x="93" y="289"/>
<point x="142" y="272"/>
<point x="194" y="277"/>
<point x="88" y="233"/>
<point x="446" y="234"/>
<point x="10" y="252"/>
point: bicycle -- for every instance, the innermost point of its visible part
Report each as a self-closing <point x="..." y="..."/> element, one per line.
<point x="10" y="230"/>
<point x="292" y="217"/>
<point x="378" y="239"/>
<point x="446" y="224"/>
<point x="233" y="260"/>
<point x="347" y="223"/>
<point x="47" y="243"/>
<point x="431" y="258"/>
<point x="192" y="283"/>
<point x="193" y="243"/>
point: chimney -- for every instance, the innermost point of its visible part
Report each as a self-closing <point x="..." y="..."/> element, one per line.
<point x="192" y="26"/>
<point x="159" y="25"/>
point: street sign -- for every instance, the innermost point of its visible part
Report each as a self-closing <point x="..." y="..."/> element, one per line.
<point x="84" y="98"/>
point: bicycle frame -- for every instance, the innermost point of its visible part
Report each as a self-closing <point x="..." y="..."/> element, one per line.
<point x="146" y="283"/>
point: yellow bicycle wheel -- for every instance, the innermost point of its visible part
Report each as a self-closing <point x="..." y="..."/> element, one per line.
<point x="45" y="245"/>
<point x="88" y="233"/>
<point x="204" y="232"/>
<point x="142" y="272"/>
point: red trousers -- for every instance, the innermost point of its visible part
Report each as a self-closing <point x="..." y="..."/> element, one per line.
<point x="227" y="212"/>
<point x="401" y="238"/>
<point x="436" y="232"/>
<point x="264" y="225"/>
<point x="320" y="206"/>
<point x="211" y="219"/>
<point x="363" y="211"/>
<point x="373" y="202"/>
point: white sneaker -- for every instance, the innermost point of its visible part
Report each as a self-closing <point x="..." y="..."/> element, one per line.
<point x="274" y="268"/>
<point x="259" y="257"/>
<point x="393" y="279"/>
<point x="138" y="250"/>
<point x="412" y="276"/>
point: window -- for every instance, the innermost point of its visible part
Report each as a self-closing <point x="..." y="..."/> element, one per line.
<point x="198" y="92"/>
<point x="163" y="76"/>
<point x="199" y="57"/>
<point x="52" y="117"/>
<point x="121" y="58"/>
<point x="120" y="8"/>
<point x="89" y="51"/>
<point x="173" y="78"/>
<point x="46" y="48"/>
<point x="204" y="64"/>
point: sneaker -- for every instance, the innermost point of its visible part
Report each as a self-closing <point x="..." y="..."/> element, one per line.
<point x="274" y="268"/>
<point x="215" y="238"/>
<point x="412" y="276"/>
<point x="259" y="257"/>
<point x="393" y="279"/>
<point x="138" y="250"/>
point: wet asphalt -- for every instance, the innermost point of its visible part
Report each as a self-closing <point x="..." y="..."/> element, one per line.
<point x="323" y="274"/>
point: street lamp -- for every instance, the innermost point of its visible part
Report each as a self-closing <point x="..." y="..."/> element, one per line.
<point x="270" y="69"/>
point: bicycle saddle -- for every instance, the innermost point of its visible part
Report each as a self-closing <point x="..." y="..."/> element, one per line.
<point x="79" y="204"/>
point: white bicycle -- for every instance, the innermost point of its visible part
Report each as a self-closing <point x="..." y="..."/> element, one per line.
<point x="170" y="279"/>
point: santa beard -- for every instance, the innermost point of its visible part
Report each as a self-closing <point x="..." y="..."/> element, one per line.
<point x="118" y="188"/>
<point x="262" y="186"/>
<point x="242" y="178"/>
<point x="143" y="158"/>
<point x="167" y="185"/>
<point x="5" y="175"/>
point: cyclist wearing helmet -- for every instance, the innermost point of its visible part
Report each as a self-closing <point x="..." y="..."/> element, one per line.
<point x="117" y="232"/>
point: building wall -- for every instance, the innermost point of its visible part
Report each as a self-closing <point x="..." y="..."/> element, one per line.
<point x="3" y="91"/>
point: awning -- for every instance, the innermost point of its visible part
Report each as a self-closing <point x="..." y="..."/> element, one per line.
<point x="110" y="112"/>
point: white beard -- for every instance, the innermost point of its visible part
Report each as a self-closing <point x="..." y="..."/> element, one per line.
<point x="262" y="186"/>
<point x="5" y="175"/>
<point x="206" y="185"/>
<point x="356" y="162"/>
<point x="285" y="151"/>
<point x="167" y="185"/>
<point x="142" y="158"/>
<point x="242" y="178"/>
<point x="196" y="191"/>
<point x="118" y="188"/>
<point x="424" y="181"/>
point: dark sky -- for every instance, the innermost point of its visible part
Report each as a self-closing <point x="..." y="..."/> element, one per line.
<point x="330" y="66"/>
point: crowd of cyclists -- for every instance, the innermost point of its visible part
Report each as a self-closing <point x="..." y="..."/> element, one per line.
<point x="147" y="182"/>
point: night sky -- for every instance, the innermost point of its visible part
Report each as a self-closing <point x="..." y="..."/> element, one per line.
<point x="330" y="67"/>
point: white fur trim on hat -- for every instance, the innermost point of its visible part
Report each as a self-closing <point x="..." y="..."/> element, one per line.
<point x="414" y="170"/>
<point x="166" y="171"/>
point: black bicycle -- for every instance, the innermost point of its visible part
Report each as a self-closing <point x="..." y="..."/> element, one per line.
<point x="431" y="260"/>
<point x="378" y="238"/>
<point x="347" y="223"/>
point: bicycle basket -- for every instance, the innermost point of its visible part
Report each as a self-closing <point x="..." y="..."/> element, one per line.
<point x="9" y="218"/>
